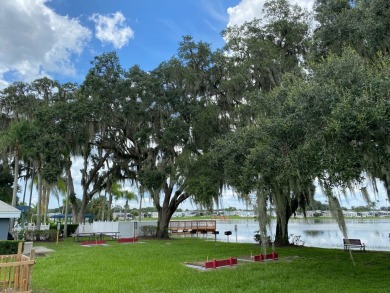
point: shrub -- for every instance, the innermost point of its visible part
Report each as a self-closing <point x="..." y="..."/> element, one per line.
<point x="41" y="235"/>
<point x="296" y="240"/>
<point x="9" y="246"/>
<point x="21" y="234"/>
<point x="149" y="230"/>
<point x="257" y="238"/>
<point x="71" y="229"/>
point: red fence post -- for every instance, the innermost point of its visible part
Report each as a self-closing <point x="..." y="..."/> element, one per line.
<point x="214" y="263"/>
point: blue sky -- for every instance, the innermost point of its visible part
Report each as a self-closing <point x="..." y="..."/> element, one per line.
<point x="59" y="38"/>
<point x="145" y="32"/>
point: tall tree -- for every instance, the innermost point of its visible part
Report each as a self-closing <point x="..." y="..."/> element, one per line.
<point x="6" y="182"/>
<point x="362" y="24"/>
<point x="101" y="90"/>
<point x="15" y="102"/>
<point x="265" y="151"/>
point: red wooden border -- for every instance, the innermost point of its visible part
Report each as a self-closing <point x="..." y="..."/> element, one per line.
<point x="220" y="263"/>
<point x="262" y="257"/>
<point x="125" y="240"/>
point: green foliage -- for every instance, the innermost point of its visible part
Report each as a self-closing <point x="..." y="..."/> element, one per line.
<point x="260" y="115"/>
<point x="71" y="228"/>
<point x="257" y="237"/>
<point x="204" y="179"/>
<point x="317" y="205"/>
<point x="151" y="178"/>
<point x="6" y="182"/>
<point x="147" y="210"/>
<point x="9" y="247"/>
<point x="148" y="230"/>
<point x="40" y="235"/>
<point x="365" y="27"/>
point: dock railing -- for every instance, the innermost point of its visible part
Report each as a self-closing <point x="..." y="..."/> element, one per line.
<point x="192" y="225"/>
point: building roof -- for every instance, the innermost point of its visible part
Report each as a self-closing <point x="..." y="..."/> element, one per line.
<point x="8" y="211"/>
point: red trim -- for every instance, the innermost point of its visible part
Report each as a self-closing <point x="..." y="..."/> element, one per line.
<point x="220" y="263"/>
<point x="262" y="257"/>
<point x="125" y="240"/>
<point x="94" y="242"/>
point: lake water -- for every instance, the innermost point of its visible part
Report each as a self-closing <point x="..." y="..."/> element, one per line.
<point x="315" y="232"/>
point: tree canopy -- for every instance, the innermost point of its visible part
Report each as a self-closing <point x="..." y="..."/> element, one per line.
<point x="275" y="110"/>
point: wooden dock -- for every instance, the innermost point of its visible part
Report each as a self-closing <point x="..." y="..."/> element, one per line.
<point x="193" y="227"/>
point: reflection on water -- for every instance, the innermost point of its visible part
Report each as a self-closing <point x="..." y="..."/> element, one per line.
<point x="315" y="232"/>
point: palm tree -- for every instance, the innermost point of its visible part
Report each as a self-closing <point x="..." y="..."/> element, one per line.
<point x="127" y="195"/>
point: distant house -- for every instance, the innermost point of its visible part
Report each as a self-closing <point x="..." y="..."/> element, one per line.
<point x="351" y="214"/>
<point x="7" y="212"/>
<point x="122" y="216"/>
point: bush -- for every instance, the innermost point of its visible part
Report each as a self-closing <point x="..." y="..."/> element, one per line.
<point x="20" y="235"/>
<point x="296" y="240"/>
<point x="41" y="235"/>
<point x="9" y="247"/>
<point x="71" y="228"/>
<point x="257" y="238"/>
<point x="149" y="230"/>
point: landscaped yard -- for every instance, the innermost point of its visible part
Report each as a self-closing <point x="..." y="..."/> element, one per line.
<point x="159" y="266"/>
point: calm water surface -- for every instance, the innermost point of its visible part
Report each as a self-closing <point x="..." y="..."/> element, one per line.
<point x="315" y="232"/>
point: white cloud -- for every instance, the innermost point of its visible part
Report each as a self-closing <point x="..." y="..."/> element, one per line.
<point x="247" y="10"/>
<point x="112" y="29"/>
<point x="215" y="10"/>
<point x="35" y="40"/>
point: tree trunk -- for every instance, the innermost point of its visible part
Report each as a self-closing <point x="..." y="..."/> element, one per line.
<point x="103" y="204"/>
<point x="69" y="194"/>
<point x="126" y="209"/>
<point x="83" y="208"/>
<point x="38" y="226"/>
<point x="140" y="207"/>
<point x="73" y="203"/>
<point x="170" y="205"/>
<point x="47" y="198"/>
<point x="281" y="233"/>
<point x="109" y="206"/>
<point x="15" y="187"/>
<point x="164" y="216"/>
<point x="31" y="190"/>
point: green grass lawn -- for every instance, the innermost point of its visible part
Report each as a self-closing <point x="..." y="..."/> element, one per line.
<point x="158" y="266"/>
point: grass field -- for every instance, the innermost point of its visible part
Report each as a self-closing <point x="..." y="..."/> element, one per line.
<point x="159" y="266"/>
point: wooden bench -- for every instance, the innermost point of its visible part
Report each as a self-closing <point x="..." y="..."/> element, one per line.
<point x="85" y="236"/>
<point x="353" y="243"/>
<point x="95" y="236"/>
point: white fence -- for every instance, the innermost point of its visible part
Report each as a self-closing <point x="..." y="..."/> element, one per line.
<point x="125" y="229"/>
<point x="31" y="227"/>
